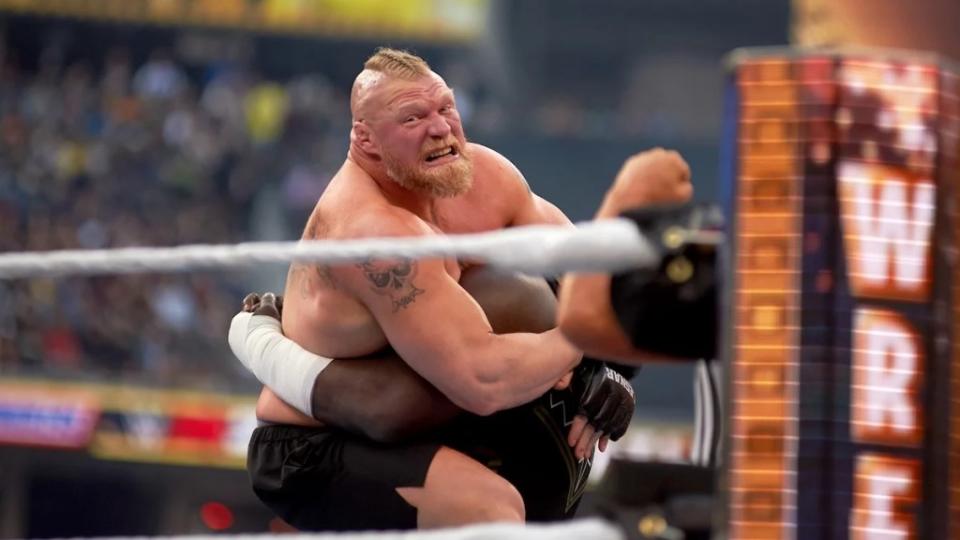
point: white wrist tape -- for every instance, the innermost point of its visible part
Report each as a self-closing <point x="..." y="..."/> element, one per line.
<point x="278" y="362"/>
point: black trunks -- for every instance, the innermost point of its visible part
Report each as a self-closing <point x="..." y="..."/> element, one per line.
<point x="326" y="479"/>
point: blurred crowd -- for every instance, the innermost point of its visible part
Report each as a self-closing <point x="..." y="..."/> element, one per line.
<point x="123" y="154"/>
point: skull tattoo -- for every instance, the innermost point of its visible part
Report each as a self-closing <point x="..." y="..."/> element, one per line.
<point x="393" y="278"/>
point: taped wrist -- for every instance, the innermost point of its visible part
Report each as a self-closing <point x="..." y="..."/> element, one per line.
<point x="278" y="362"/>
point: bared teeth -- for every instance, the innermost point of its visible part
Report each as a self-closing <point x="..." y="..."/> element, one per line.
<point x="440" y="153"/>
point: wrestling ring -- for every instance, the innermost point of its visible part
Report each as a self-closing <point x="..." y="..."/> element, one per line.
<point x="840" y="304"/>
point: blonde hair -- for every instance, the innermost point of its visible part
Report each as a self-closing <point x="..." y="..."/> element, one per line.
<point x="397" y="63"/>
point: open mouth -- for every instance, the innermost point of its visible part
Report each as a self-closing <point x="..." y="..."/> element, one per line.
<point x="448" y="152"/>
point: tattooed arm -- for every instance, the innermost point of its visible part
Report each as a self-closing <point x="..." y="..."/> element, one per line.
<point x="382" y="398"/>
<point x="442" y="333"/>
<point x="377" y="396"/>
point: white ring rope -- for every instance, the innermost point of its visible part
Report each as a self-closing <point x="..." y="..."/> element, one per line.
<point x="591" y="528"/>
<point x="546" y="250"/>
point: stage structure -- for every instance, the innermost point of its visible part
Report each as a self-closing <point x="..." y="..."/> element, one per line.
<point x="841" y="318"/>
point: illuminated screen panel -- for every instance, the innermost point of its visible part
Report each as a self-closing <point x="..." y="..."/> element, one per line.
<point x="887" y="490"/>
<point x="845" y="291"/>
<point x="887" y="192"/>
<point x="886" y="124"/>
<point x="886" y="379"/>
<point x="766" y="266"/>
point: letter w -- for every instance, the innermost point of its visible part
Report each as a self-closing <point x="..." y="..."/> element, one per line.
<point x="884" y="221"/>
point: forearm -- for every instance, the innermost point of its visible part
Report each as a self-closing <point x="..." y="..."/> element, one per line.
<point x="513" y="369"/>
<point x="592" y="325"/>
<point x="588" y="323"/>
<point x="612" y="205"/>
<point x="585" y="315"/>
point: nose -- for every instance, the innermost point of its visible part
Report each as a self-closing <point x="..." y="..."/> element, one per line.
<point x="439" y="126"/>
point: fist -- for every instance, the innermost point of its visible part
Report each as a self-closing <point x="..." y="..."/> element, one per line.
<point x="265" y="304"/>
<point x="656" y="176"/>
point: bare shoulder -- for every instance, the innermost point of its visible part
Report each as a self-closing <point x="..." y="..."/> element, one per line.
<point x="392" y="283"/>
<point x="382" y="219"/>
<point x="355" y="213"/>
<point x="494" y="167"/>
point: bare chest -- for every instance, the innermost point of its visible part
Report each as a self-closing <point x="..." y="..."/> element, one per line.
<point x="328" y="320"/>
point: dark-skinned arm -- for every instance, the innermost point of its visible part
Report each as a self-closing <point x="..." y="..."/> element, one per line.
<point x="379" y="397"/>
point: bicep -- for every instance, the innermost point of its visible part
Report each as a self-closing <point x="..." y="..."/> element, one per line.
<point x="427" y="317"/>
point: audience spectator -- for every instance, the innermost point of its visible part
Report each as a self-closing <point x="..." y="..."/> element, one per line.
<point x="145" y="156"/>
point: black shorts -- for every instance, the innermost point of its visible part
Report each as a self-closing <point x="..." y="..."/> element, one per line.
<point x="325" y="479"/>
<point x="528" y="446"/>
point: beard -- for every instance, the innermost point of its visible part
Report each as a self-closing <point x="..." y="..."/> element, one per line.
<point x="446" y="181"/>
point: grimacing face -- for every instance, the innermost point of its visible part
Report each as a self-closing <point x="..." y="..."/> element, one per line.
<point x="421" y="139"/>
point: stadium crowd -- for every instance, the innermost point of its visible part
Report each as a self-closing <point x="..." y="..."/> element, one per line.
<point x="146" y="155"/>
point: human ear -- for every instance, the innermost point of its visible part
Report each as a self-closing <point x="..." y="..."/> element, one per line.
<point x="363" y="137"/>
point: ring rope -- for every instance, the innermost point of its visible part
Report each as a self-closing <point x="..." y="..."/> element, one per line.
<point x="592" y="528"/>
<point x="605" y="245"/>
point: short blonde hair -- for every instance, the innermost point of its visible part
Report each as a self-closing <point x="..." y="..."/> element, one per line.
<point x="397" y="63"/>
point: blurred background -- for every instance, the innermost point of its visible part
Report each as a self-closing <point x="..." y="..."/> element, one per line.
<point x="166" y="122"/>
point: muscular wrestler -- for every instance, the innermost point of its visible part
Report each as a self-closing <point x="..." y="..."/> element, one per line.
<point x="409" y="172"/>
<point x="525" y="445"/>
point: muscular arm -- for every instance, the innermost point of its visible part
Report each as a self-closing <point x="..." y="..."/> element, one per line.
<point x="586" y="320"/>
<point x="382" y="398"/>
<point x="511" y="302"/>
<point x="585" y="315"/>
<point x="442" y="333"/>
<point x="386" y="400"/>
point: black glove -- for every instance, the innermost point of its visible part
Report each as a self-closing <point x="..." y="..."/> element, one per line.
<point x="606" y="398"/>
<point x="671" y="309"/>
